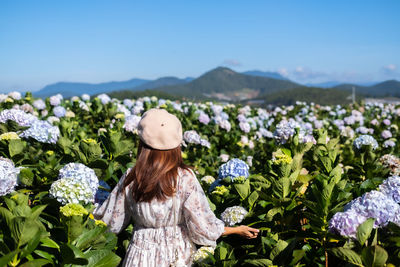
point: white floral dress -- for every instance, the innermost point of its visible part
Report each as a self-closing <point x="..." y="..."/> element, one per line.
<point x="152" y="240"/>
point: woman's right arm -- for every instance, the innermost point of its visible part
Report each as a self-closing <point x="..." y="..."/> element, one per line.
<point x="243" y="230"/>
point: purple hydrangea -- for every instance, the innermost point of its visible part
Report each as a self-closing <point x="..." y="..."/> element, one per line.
<point x="55" y="100"/>
<point x="59" y="111"/>
<point x="233" y="168"/>
<point x="19" y="116"/>
<point x="391" y="188"/>
<point x="346" y="223"/>
<point x="191" y="137"/>
<point x="386" y="134"/>
<point x="204" y="118"/>
<point x="389" y="143"/>
<point x="376" y="205"/>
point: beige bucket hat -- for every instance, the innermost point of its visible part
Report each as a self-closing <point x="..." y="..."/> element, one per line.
<point x="160" y="129"/>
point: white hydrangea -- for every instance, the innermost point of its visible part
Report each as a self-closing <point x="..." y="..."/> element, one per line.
<point x="15" y="95"/>
<point x="67" y="190"/>
<point x="39" y="104"/>
<point x="131" y="123"/>
<point x="55" y="100"/>
<point x="202" y="253"/>
<point x="85" y="97"/>
<point x="8" y="176"/>
<point x="233" y="215"/>
<point x="208" y="179"/>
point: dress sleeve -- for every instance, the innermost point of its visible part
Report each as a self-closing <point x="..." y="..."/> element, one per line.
<point x="204" y="228"/>
<point x="115" y="211"/>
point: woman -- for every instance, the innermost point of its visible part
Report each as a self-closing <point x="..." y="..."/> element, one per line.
<point x="164" y="198"/>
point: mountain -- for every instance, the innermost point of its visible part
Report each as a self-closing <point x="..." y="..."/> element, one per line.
<point x="383" y="89"/>
<point x="267" y="74"/>
<point x="68" y="89"/>
<point x="328" y="84"/>
<point x="320" y="96"/>
<point x="224" y="83"/>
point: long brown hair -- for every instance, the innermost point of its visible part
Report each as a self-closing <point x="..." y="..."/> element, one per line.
<point x="155" y="173"/>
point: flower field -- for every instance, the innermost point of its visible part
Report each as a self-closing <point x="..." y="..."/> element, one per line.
<point x="321" y="182"/>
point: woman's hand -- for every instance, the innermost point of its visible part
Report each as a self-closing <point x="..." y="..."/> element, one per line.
<point x="243" y="231"/>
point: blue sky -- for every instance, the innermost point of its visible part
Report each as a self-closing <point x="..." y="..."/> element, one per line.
<point x="43" y="42"/>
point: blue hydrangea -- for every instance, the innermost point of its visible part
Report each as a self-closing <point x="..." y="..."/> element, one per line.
<point x="42" y="131"/>
<point x="365" y="140"/>
<point x="81" y="173"/>
<point x="233" y="168"/>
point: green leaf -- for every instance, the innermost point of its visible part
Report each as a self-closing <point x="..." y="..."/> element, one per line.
<point x="23" y="230"/>
<point x="8" y="257"/>
<point x="102" y="258"/>
<point x="280" y="246"/>
<point x="16" y="147"/>
<point x="272" y="212"/>
<point x="26" y="176"/>
<point x="364" y="230"/>
<point x="83" y="241"/>
<point x="258" y="262"/>
<point x="252" y="198"/>
<point x="36" y="263"/>
<point x="49" y="243"/>
<point x="347" y="255"/>
<point x="243" y="189"/>
<point x="374" y="256"/>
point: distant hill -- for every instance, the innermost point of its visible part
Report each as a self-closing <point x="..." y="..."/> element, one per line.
<point x="383" y="89"/>
<point x="226" y="84"/>
<point x="307" y="94"/>
<point x="69" y="89"/>
<point x="267" y="74"/>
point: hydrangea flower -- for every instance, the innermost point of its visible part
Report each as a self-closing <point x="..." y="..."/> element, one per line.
<point x="224" y="157"/>
<point x="376" y="205"/>
<point x="245" y="127"/>
<point x="42" y="131"/>
<point x="39" y="104"/>
<point x="365" y="140"/>
<point x="73" y="209"/>
<point x="233" y="215"/>
<point x="59" y="111"/>
<point x="85" y="97"/>
<point x="233" y="168"/>
<point x="68" y="190"/>
<point x="204" y="118"/>
<point x="389" y="143"/>
<point x="392" y="162"/>
<point x="8" y="176"/>
<point x="191" y="137"/>
<point x="9" y="136"/>
<point x="202" y="253"/>
<point x="131" y="123"/>
<point x="15" y="95"/>
<point x="346" y="223"/>
<point x="286" y="129"/>
<point x="208" y="179"/>
<point x="80" y="173"/>
<point x="55" y="100"/>
<point x="20" y="117"/>
<point x="386" y="134"/>
<point x="218" y="189"/>
<point x="391" y="188"/>
<point x="104" y="98"/>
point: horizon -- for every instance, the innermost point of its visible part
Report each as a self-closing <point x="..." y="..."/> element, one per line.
<point x="99" y="41"/>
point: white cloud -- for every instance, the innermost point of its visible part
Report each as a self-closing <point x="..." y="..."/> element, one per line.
<point x="283" y="71"/>
<point x="390" y="67"/>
